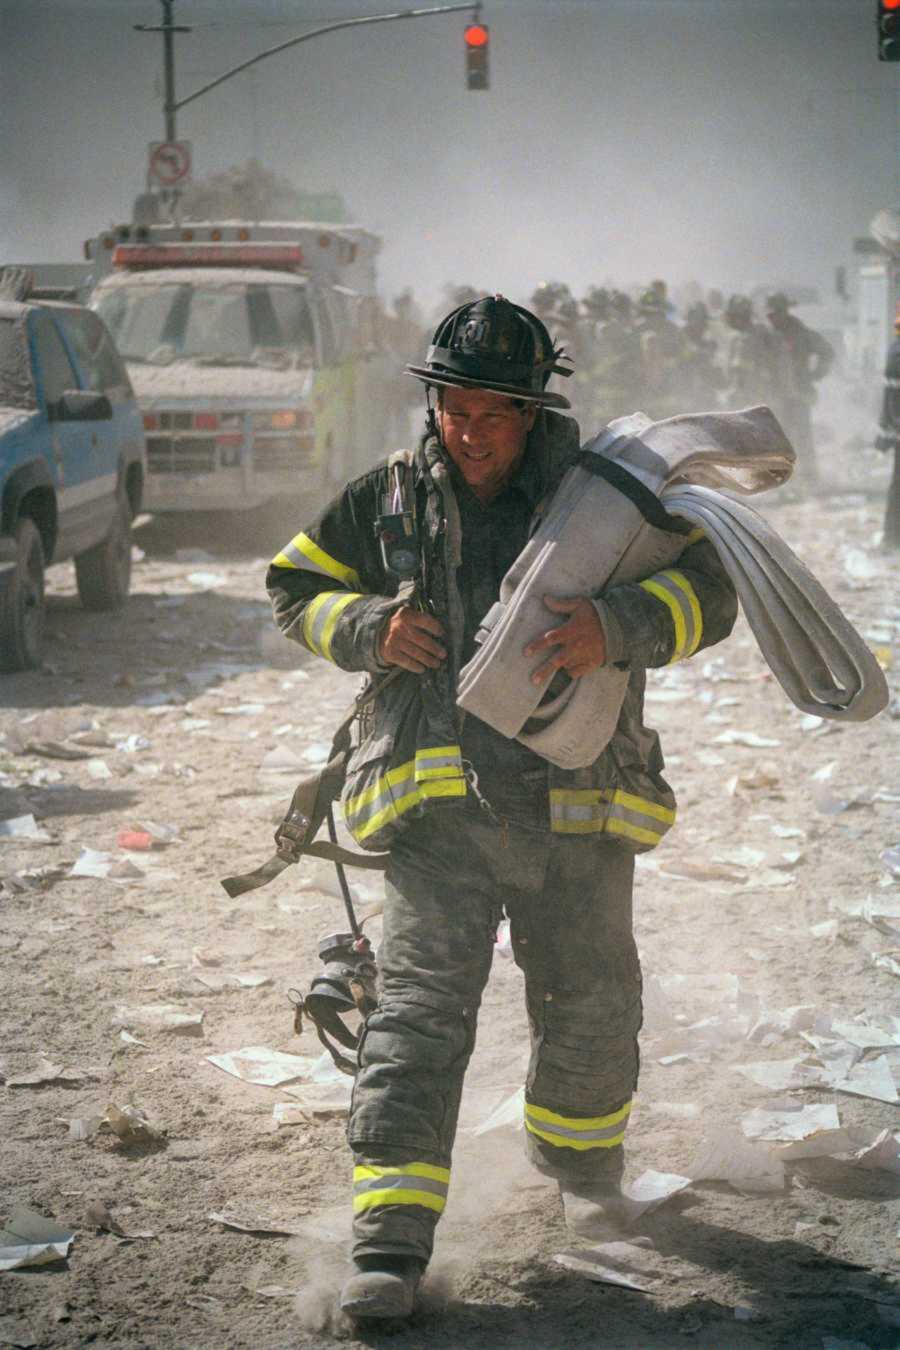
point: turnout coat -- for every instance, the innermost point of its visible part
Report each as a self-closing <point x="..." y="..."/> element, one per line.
<point x="331" y="592"/>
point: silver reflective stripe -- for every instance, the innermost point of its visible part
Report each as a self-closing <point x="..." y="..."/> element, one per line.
<point x="405" y="1181"/>
<point x="608" y="1131"/>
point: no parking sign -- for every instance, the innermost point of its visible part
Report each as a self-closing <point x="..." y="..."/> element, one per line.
<point x="169" y="164"/>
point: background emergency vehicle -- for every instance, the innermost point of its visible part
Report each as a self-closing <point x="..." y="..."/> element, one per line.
<point x="257" y="354"/>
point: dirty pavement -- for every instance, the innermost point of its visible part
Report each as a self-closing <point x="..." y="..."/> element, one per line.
<point x="173" y="1159"/>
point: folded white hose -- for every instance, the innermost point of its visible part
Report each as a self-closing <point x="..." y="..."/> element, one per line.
<point x="606" y="525"/>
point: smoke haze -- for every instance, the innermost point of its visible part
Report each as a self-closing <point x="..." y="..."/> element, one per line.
<point x="735" y="143"/>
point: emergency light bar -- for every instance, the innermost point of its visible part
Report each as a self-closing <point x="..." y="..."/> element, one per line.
<point x="208" y="255"/>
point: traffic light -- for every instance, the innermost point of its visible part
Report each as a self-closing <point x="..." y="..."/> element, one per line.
<point x="477" y="39"/>
<point x="889" y="30"/>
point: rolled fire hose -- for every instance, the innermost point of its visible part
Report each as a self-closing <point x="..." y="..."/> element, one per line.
<point x="610" y="522"/>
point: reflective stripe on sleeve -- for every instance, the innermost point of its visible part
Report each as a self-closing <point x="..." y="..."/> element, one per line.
<point x="321" y="616"/>
<point x="574" y="1131"/>
<point x="302" y="554"/>
<point x="677" y="593"/>
<point x="399" y="790"/>
<point x="412" y="1184"/>
<point x="592" y="810"/>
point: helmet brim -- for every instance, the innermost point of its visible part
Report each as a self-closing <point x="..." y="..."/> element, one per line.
<point x="546" y="398"/>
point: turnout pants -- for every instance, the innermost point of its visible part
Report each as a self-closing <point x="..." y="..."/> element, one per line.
<point x="568" y="898"/>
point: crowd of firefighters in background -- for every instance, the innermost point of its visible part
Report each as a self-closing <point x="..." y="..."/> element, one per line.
<point x="641" y="354"/>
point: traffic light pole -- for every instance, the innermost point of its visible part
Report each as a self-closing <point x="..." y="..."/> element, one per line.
<point x="168" y="29"/>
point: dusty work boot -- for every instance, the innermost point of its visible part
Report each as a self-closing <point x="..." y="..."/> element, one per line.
<point x="382" y="1286"/>
<point x="596" y="1210"/>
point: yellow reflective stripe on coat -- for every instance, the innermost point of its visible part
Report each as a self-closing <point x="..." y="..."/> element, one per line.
<point x="677" y="593"/>
<point x="576" y="1131"/>
<point x="411" y="1184"/>
<point x="321" y="616"/>
<point x="593" y="810"/>
<point x="418" y="780"/>
<point x="302" y="554"/>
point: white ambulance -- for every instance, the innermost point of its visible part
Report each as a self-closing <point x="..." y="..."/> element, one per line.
<point x="257" y="355"/>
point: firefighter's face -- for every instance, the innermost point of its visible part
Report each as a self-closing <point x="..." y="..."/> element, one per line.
<point x="484" y="434"/>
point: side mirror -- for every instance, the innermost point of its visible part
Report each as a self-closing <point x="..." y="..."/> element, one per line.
<point x="82" y="405"/>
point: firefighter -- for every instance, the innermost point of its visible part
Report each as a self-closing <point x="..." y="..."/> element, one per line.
<point x="477" y="824"/>
<point x="889" y="439"/>
<point x="700" y="380"/>
<point x="751" y="370"/>
<point x="614" y="379"/>
<point x="804" y="357"/>
<point x="662" y="350"/>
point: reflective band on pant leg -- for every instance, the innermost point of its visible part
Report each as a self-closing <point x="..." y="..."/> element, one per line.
<point x="412" y="1184"/>
<point x="594" y="810"/>
<point x="577" y="1132"/>
<point x="677" y="593"/>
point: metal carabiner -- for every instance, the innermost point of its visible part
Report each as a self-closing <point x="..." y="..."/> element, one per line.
<point x="471" y="778"/>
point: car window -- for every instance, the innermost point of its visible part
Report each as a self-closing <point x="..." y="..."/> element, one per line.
<point x="55" y="369"/>
<point x="16" y="382"/>
<point x="290" y="305"/>
<point x="139" y="318"/>
<point x="94" y="351"/>
<point x="209" y="323"/>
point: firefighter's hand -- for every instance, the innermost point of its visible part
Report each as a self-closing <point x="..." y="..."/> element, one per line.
<point x="411" y="639"/>
<point x="578" y="645"/>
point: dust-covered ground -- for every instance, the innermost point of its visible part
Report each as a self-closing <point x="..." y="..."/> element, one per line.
<point x="767" y="917"/>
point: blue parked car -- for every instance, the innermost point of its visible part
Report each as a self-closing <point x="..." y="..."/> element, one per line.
<point x="72" y="465"/>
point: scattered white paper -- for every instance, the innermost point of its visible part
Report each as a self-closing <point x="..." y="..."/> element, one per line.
<point x="159" y="1017"/>
<point x="787" y="1122"/>
<point x="750" y="738"/>
<point x="727" y="1156"/>
<point x="510" y="1114"/>
<point x="620" y="1263"/>
<point x="268" y="1068"/>
<point x="24" y="827"/>
<point x="883" y="1153"/>
<point x="652" y="1188"/>
<point x="206" y="581"/>
<point x="31" y="1240"/>
<point x="92" y="863"/>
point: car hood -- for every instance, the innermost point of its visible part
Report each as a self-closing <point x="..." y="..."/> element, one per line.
<point x="13" y="418"/>
<point x="186" y="382"/>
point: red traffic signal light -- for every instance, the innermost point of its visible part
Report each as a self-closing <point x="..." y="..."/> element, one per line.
<point x="477" y="39"/>
<point x="889" y="30"/>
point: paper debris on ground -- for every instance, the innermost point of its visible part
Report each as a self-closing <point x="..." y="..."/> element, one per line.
<point x="727" y="1156"/>
<point x="704" y="871"/>
<point x="883" y="1153"/>
<point x="267" y="1068"/>
<point x="47" y="1072"/>
<point x="827" y="930"/>
<point x="99" y="769"/>
<point x="627" y="1264"/>
<point x="509" y="1114"/>
<point x="206" y="581"/>
<point x="856" y="1032"/>
<point x="84" y="1127"/>
<point x="257" y="1223"/>
<point x="24" y="827"/>
<point x="128" y="1039"/>
<point x="160" y="1017"/>
<point x="749" y="738"/>
<point x="652" y="1188"/>
<point x="871" y="1078"/>
<point x="31" y="1240"/>
<point x="92" y="863"/>
<point x="788" y="1122"/>
<point x="885" y="961"/>
<point x="131" y="1124"/>
<point x="783" y="1074"/>
<point x="283" y="760"/>
<point x="219" y="980"/>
